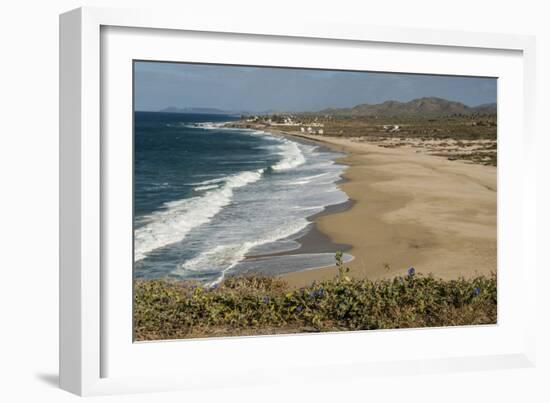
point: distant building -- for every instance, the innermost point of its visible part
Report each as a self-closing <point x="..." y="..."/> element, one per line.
<point x="392" y="128"/>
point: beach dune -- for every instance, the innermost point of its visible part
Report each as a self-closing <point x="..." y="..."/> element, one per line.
<point x="411" y="209"/>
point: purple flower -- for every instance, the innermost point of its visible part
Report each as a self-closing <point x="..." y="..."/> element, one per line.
<point x="299" y="308"/>
<point x="317" y="293"/>
<point x="266" y="300"/>
<point x="477" y="291"/>
<point x="411" y="271"/>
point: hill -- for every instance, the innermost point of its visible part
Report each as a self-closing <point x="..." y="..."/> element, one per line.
<point x="428" y="106"/>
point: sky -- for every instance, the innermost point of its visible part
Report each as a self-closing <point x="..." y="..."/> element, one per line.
<point x="160" y="85"/>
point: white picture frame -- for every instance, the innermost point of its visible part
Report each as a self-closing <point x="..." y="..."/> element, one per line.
<point x="88" y="318"/>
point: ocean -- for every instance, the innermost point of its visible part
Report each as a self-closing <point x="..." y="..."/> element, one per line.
<point x="211" y="201"/>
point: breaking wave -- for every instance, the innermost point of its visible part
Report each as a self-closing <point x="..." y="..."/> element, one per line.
<point x="172" y="223"/>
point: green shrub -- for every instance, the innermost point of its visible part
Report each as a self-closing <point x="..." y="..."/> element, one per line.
<point x="249" y="305"/>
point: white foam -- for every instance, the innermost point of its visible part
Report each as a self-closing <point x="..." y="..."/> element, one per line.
<point x="292" y="156"/>
<point x="205" y="187"/>
<point x="209" y="181"/>
<point x="227" y="256"/>
<point x="174" y="222"/>
<point x="199" y="125"/>
<point x="209" y="125"/>
<point x="307" y="179"/>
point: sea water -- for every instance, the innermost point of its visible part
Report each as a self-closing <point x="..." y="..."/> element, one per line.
<point x="208" y="198"/>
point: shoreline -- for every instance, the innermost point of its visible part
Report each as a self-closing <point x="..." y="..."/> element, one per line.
<point x="409" y="209"/>
<point x="313" y="240"/>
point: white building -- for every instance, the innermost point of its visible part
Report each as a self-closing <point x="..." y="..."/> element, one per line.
<point x="392" y="128"/>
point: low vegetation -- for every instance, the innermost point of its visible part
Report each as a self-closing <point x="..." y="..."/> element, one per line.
<point x="252" y="305"/>
<point x="469" y="137"/>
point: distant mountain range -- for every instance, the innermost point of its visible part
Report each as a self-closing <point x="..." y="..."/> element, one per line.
<point x="429" y="106"/>
<point x="215" y="111"/>
<point x="208" y="111"/>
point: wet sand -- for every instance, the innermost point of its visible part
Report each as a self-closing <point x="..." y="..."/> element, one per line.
<point x="409" y="209"/>
<point x="315" y="241"/>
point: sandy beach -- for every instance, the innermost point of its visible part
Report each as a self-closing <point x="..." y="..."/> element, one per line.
<point x="410" y="209"/>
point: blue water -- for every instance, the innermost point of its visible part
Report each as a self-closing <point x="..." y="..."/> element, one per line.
<point x="207" y="198"/>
